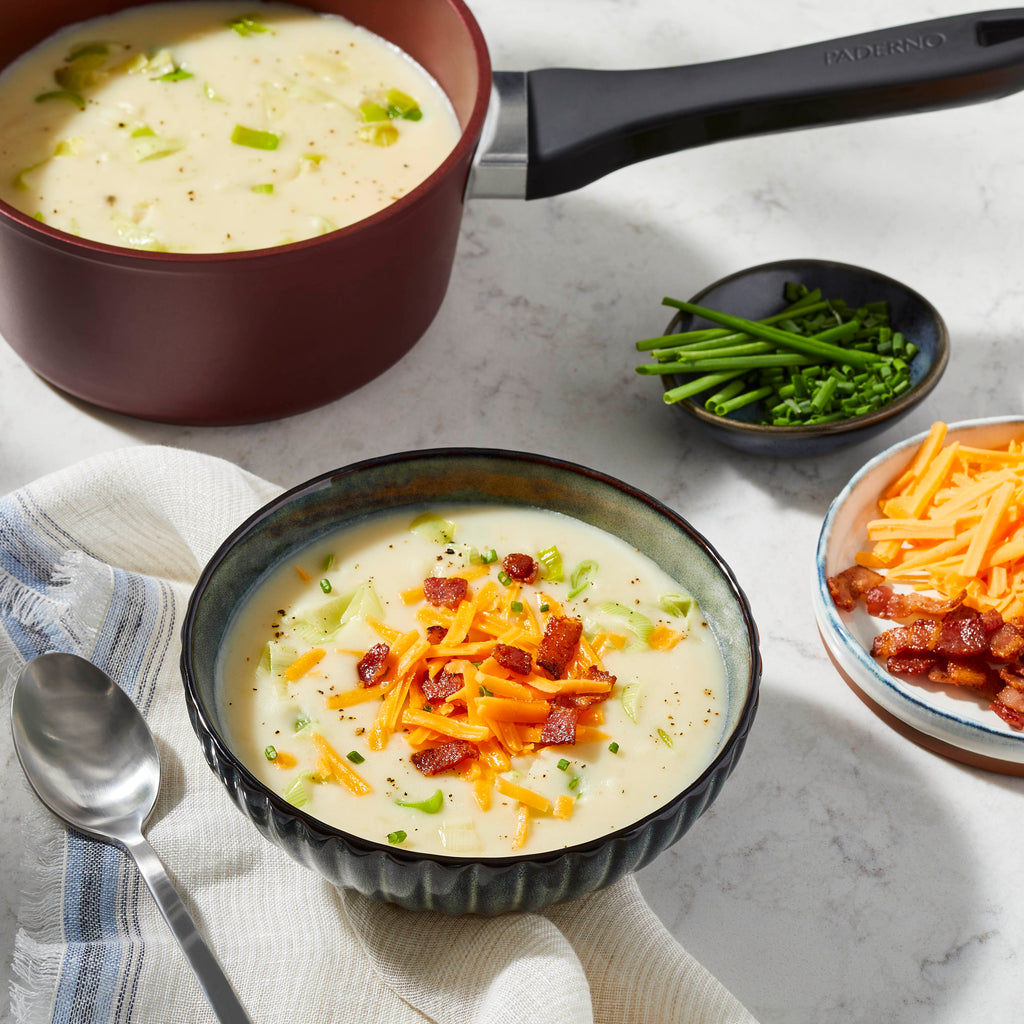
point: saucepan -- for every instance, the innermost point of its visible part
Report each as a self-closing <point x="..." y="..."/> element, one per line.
<point x="248" y="336"/>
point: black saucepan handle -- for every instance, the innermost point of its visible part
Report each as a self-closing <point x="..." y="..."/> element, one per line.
<point x="585" y="124"/>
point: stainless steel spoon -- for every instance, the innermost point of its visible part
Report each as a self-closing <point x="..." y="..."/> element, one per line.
<point x="90" y="757"/>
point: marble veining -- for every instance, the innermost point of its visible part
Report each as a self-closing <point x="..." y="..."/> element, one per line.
<point x="844" y="875"/>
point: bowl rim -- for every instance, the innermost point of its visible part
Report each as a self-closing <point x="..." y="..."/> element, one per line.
<point x="854" y="423"/>
<point x="910" y="706"/>
<point x="357" y="844"/>
<point x="469" y="135"/>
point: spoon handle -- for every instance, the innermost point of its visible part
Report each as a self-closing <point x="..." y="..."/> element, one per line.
<point x="208" y="972"/>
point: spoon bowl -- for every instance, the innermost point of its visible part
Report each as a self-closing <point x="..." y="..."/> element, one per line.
<point x="88" y="754"/>
<point x="85" y="749"/>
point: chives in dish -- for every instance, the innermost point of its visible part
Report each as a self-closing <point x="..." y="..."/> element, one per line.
<point x="816" y="361"/>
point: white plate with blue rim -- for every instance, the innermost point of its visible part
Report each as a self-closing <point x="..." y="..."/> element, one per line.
<point x="947" y="720"/>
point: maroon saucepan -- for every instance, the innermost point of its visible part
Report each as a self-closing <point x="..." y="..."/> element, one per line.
<point x="247" y="336"/>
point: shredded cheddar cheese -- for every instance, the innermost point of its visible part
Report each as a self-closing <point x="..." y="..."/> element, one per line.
<point x="952" y="522"/>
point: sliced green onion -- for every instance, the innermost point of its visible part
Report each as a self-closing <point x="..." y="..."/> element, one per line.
<point x="325" y="585"/>
<point x="613" y="747"/>
<point x="371" y="112"/>
<point x="574" y="782"/>
<point x="431" y="805"/>
<point x="247" y="25"/>
<point x="380" y="134"/>
<point x="581" y="577"/>
<point x="630" y="699"/>
<point x="177" y="75"/>
<point x="563" y="765"/>
<point x="489" y="556"/>
<point x="266" y="189"/>
<point x="432" y="527"/>
<point x="355" y="757"/>
<point x="636" y="622"/>
<point x="270" y="753"/>
<point x="297" y="794"/>
<point x="394" y="838"/>
<point x="154" y="147"/>
<point x="665" y="738"/>
<point x="484" y="692"/>
<point x="517" y="606"/>
<point x="402" y="105"/>
<point x="504" y="579"/>
<point x="304" y="722"/>
<point x="62" y="94"/>
<point x="545" y="607"/>
<point x="676" y="604"/>
<point x="328" y="562"/>
<point x="211" y="94"/>
<point x="255" y="139"/>
<point x="551" y="564"/>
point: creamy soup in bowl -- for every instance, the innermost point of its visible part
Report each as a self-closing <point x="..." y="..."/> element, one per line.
<point x="216" y="126"/>
<point x="392" y="684"/>
<point x="473" y="681"/>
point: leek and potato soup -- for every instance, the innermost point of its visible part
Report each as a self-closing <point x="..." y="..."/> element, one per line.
<point x="474" y="681"/>
<point x="213" y="127"/>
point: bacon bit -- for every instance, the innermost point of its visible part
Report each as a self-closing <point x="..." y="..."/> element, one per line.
<point x="1014" y="719"/>
<point x="1006" y="643"/>
<point x="520" y="567"/>
<point x="445" y="591"/>
<point x="558" y="645"/>
<point x="560" y="727"/>
<point x="373" y="664"/>
<point x="439" y="688"/>
<point x="443" y="757"/>
<point x="962" y="638"/>
<point x="435" y="634"/>
<point x="850" y="584"/>
<point x="884" y="603"/>
<point x="954" y="646"/>
<point x="515" y="659"/>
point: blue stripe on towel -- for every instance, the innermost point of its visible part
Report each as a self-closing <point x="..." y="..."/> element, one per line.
<point x="100" y="971"/>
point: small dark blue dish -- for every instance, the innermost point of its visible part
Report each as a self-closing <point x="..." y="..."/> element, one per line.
<point x="758" y="292"/>
<point x="457" y="885"/>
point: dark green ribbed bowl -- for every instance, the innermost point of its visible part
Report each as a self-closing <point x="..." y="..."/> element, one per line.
<point x="457" y="885"/>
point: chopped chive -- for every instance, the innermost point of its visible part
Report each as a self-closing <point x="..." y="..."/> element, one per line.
<point x="355" y="757"/>
<point x="394" y="838"/>
<point x="563" y="765"/>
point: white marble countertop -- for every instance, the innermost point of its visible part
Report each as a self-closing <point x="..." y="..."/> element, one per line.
<point x="845" y="874"/>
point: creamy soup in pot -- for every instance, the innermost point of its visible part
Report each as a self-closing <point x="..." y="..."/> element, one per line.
<point x="212" y="127"/>
<point x="473" y="681"/>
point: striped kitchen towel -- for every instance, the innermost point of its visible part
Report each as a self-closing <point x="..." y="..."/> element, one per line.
<point x="99" y="560"/>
